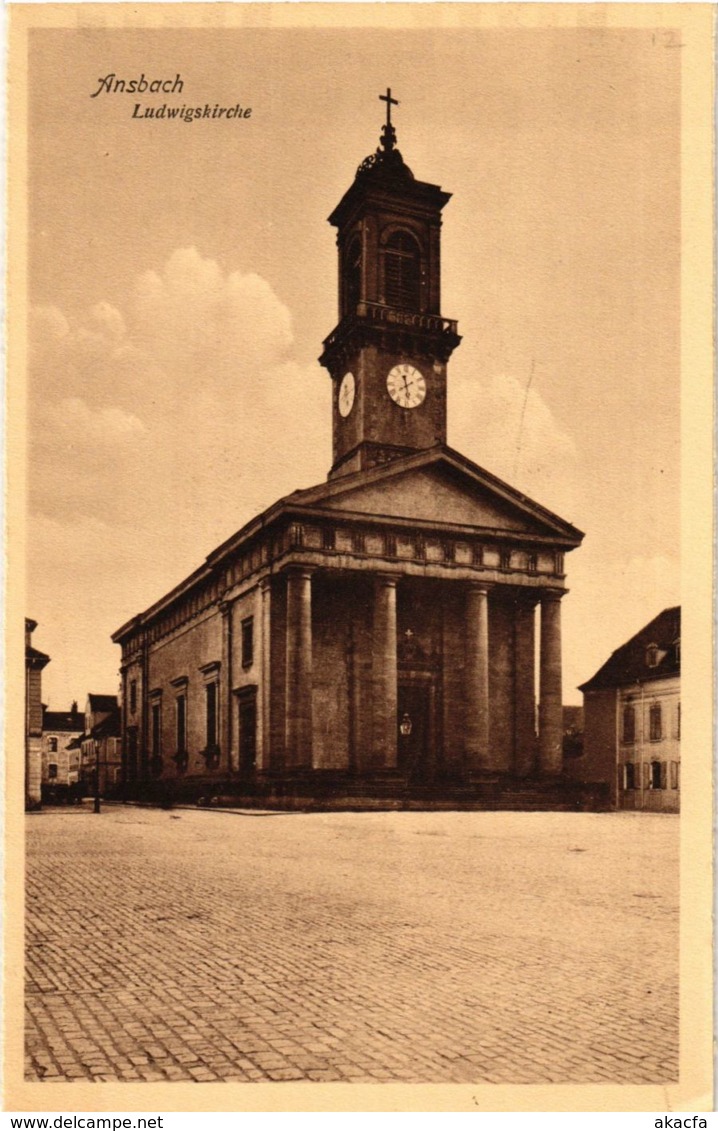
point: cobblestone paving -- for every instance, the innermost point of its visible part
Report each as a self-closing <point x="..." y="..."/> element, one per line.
<point x="415" y="947"/>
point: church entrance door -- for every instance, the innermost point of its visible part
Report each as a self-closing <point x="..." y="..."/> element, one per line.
<point x="416" y="725"/>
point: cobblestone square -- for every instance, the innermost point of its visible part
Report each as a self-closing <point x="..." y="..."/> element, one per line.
<point x="479" y="947"/>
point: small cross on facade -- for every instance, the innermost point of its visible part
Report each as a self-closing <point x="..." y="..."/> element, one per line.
<point x="389" y="103"/>
<point x="408" y="634"/>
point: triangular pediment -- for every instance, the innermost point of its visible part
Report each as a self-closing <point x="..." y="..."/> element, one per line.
<point x="439" y="487"/>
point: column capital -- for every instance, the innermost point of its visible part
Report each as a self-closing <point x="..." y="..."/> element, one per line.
<point x="548" y="595"/>
<point x="298" y="569"/>
<point x="225" y="607"/>
<point x="265" y="583"/>
<point x="387" y="579"/>
<point x="479" y="586"/>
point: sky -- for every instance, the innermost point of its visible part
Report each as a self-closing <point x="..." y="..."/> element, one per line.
<point x="182" y="276"/>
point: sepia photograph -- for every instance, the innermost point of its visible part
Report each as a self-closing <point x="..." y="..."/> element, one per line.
<point x="359" y="465"/>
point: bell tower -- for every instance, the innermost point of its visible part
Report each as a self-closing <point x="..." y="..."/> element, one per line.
<point x="388" y="355"/>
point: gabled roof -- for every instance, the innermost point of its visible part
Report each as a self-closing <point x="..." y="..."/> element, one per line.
<point x="102" y="702"/>
<point x="365" y="492"/>
<point x="630" y="662"/>
<point x="63" y="721"/>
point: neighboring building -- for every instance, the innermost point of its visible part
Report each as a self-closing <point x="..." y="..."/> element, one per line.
<point x="632" y="705"/>
<point x="101" y="744"/>
<point x="35" y="661"/>
<point x="60" y="757"/>
<point x="373" y="635"/>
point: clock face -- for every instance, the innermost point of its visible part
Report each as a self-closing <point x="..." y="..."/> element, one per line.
<point x="406" y="385"/>
<point x="347" y="389"/>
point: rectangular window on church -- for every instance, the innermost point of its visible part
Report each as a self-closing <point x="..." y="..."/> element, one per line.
<point x="181" y="724"/>
<point x="133" y="696"/>
<point x="247" y="642"/>
<point x="156" y="729"/>
<point x="328" y="538"/>
<point x="211" y="694"/>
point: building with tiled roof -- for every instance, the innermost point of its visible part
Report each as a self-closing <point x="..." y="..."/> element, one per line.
<point x="60" y="757"/>
<point x="632" y="710"/>
<point x="101" y="744"/>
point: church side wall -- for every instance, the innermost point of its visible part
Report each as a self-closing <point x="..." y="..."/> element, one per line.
<point x="182" y="656"/>
<point x="246" y="671"/>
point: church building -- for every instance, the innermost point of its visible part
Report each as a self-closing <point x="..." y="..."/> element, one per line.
<point x="375" y="636"/>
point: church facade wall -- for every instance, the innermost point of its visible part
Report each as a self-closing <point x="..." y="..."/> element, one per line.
<point x="239" y="645"/>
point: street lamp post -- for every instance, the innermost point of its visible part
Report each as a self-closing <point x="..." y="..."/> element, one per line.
<point x="97" y="775"/>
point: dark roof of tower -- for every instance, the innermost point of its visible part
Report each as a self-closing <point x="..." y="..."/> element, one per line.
<point x="386" y="162"/>
<point x="630" y="662"/>
<point x="383" y="173"/>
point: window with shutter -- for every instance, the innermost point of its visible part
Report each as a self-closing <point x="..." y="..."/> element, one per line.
<point x="674" y="775"/>
<point x="629" y="723"/>
<point x="402" y="272"/>
<point x="664" y="775"/>
<point x="655" y="722"/>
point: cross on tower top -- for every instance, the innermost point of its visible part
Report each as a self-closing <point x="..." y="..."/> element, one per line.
<point x="389" y="103"/>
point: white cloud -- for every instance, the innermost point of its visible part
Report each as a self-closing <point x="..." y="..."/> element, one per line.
<point x="506" y="426"/>
<point x="175" y="415"/>
<point x="190" y="317"/>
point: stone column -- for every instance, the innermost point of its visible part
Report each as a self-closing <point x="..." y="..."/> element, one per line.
<point x="298" y="718"/>
<point x="384" y="672"/>
<point x="550" y="689"/>
<point x="477" y="679"/>
<point x="226" y="700"/>
<point x="524" y="687"/>
<point x="264" y="717"/>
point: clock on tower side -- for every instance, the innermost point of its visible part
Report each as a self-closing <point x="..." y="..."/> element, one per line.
<point x="388" y="355"/>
